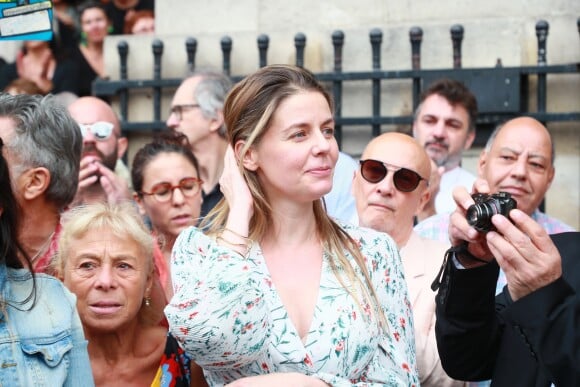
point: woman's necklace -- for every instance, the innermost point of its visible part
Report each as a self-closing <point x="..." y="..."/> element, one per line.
<point x="42" y="248"/>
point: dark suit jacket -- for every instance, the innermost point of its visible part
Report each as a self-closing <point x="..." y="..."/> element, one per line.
<point x="532" y="342"/>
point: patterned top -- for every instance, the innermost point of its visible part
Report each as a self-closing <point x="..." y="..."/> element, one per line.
<point x="437" y="226"/>
<point x="228" y="317"/>
<point x="173" y="368"/>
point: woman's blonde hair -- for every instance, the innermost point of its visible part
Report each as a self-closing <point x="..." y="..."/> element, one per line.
<point x="248" y="113"/>
<point x="122" y="220"/>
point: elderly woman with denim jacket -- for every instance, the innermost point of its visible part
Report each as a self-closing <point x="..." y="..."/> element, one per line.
<point x="41" y="336"/>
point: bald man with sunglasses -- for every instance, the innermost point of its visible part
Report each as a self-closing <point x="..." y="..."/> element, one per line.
<point x="390" y="188"/>
<point x="103" y="175"/>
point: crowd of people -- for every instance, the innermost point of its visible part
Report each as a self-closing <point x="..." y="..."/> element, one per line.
<point x="242" y="248"/>
<point x="69" y="63"/>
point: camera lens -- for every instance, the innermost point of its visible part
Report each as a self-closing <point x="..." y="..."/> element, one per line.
<point x="479" y="216"/>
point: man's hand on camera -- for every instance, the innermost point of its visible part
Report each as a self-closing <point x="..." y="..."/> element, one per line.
<point x="461" y="232"/>
<point x="525" y="253"/>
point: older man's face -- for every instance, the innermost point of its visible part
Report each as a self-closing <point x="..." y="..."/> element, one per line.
<point x="381" y="205"/>
<point x="6" y="132"/>
<point x="519" y="162"/>
<point x="187" y="117"/>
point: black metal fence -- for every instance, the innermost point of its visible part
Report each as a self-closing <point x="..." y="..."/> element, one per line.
<point x="502" y="92"/>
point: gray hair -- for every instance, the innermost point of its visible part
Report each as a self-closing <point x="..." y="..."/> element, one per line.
<point x="45" y="135"/>
<point x="210" y="94"/>
<point x="493" y="135"/>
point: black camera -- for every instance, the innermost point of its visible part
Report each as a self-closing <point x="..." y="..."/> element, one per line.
<point x="479" y="214"/>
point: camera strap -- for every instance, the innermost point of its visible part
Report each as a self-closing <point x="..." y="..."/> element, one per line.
<point x="457" y="251"/>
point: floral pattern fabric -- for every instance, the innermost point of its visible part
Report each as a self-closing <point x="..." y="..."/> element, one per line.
<point x="174" y="366"/>
<point x="229" y="318"/>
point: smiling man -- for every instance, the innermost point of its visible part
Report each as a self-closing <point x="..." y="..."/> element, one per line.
<point x="390" y="188"/>
<point x="518" y="158"/>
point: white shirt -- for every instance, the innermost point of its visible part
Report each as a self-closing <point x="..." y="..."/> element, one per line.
<point x="339" y="201"/>
<point x="458" y="176"/>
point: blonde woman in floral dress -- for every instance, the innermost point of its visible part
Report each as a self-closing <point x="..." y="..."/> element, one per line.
<point x="276" y="293"/>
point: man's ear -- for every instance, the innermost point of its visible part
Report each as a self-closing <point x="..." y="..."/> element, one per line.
<point x="250" y="159"/>
<point x="122" y="144"/>
<point x="217" y="122"/>
<point x="425" y="196"/>
<point x="551" y="174"/>
<point x="34" y="182"/>
<point x="481" y="164"/>
<point x="469" y="140"/>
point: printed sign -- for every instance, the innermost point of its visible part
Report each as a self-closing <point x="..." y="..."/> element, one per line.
<point x="25" y="20"/>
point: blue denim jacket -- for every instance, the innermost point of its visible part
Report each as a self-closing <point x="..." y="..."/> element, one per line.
<point x="42" y="345"/>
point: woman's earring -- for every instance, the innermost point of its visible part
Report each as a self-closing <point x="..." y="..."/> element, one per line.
<point x="147" y="301"/>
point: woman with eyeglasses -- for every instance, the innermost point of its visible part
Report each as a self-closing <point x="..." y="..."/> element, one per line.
<point x="168" y="192"/>
<point x="275" y="293"/>
<point x="41" y="337"/>
<point x="165" y="176"/>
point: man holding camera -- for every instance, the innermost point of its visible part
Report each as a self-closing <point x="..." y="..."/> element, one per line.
<point x="518" y="159"/>
<point x="527" y="335"/>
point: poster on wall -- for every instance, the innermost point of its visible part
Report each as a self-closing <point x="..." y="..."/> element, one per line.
<point x="25" y="20"/>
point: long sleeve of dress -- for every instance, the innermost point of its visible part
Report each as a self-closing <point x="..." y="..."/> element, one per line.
<point x="217" y="313"/>
<point x="227" y="315"/>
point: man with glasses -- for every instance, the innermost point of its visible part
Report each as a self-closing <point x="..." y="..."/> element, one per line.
<point x="103" y="175"/>
<point x="197" y="112"/>
<point x="444" y="125"/>
<point x="42" y="146"/>
<point x="390" y="187"/>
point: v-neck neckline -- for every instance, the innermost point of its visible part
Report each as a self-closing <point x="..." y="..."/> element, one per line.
<point x="278" y="302"/>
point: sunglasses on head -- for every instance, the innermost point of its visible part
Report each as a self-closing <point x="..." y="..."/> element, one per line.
<point x="101" y="130"/>
<point x="374" y="171"/>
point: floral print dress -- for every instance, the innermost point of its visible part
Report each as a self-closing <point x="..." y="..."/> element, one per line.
<point x="229" y="318"/>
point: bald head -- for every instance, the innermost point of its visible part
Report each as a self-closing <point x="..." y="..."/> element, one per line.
<point x="518" y="159"/>
<point x="88" y="110"/>
<point x="381" y="205"/>
<point x="522" y="125"/>
<point x="399" y="149"/>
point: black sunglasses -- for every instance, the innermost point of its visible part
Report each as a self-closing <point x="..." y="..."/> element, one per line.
<point x="374" y="171"/>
